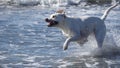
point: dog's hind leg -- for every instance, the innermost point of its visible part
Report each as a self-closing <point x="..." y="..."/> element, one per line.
<point x="100" y="35"/>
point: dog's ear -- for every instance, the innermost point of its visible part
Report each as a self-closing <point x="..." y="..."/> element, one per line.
<point x="60" y="11"/>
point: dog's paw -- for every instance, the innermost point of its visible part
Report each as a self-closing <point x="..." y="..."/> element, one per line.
<point x="65" y="47"/>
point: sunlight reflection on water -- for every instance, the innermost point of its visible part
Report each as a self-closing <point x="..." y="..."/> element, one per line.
<point x="26" y="41"/>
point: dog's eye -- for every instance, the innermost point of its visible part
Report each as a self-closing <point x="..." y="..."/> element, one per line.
<point x="53" y="16"/>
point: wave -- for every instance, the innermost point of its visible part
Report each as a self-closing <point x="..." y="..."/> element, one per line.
<point x="19" y="2"/>
<point x="29" y="2"/>
<point x="39" y="2"/>
<point x="43" y="2"/>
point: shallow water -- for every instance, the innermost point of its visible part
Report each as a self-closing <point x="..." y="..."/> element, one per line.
<point x="26" y="41"/>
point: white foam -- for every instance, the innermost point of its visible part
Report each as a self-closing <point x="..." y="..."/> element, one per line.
<point x="44" y="3"/>
<point x="106" y="50"/>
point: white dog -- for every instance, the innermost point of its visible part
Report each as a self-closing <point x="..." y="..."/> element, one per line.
<point x="78" y="29"/>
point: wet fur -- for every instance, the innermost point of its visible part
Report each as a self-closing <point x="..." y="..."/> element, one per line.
<point x="78" y="29"/>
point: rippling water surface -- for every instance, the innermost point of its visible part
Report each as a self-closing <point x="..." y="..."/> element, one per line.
<point x="26" y="41"/>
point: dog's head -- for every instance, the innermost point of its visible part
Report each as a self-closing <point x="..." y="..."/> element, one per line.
<point x="56" y="19"/>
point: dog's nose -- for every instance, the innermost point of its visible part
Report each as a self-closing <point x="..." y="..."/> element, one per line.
<point x="47" y="20"/>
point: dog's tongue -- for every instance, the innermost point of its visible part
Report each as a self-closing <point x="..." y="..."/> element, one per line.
<point x="48" y="23"/>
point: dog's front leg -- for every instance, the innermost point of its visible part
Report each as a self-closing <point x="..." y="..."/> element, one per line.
<point x="68" y="40"/>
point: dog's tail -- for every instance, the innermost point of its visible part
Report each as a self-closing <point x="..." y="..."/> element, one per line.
<point x="108" y="10"/>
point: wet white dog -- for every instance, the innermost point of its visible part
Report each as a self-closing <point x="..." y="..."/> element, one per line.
<point x="78" y="29"/>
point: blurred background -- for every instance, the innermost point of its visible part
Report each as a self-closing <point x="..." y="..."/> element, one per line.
<point x="51" y="2"/>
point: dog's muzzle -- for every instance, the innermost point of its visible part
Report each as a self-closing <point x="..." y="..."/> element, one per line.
<point x="51" y="22"/>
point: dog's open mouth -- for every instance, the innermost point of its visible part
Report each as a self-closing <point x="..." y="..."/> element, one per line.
<point x="51" y="22"/>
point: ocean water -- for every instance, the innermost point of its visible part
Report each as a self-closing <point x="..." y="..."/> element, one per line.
<point x="26" y="41"/>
